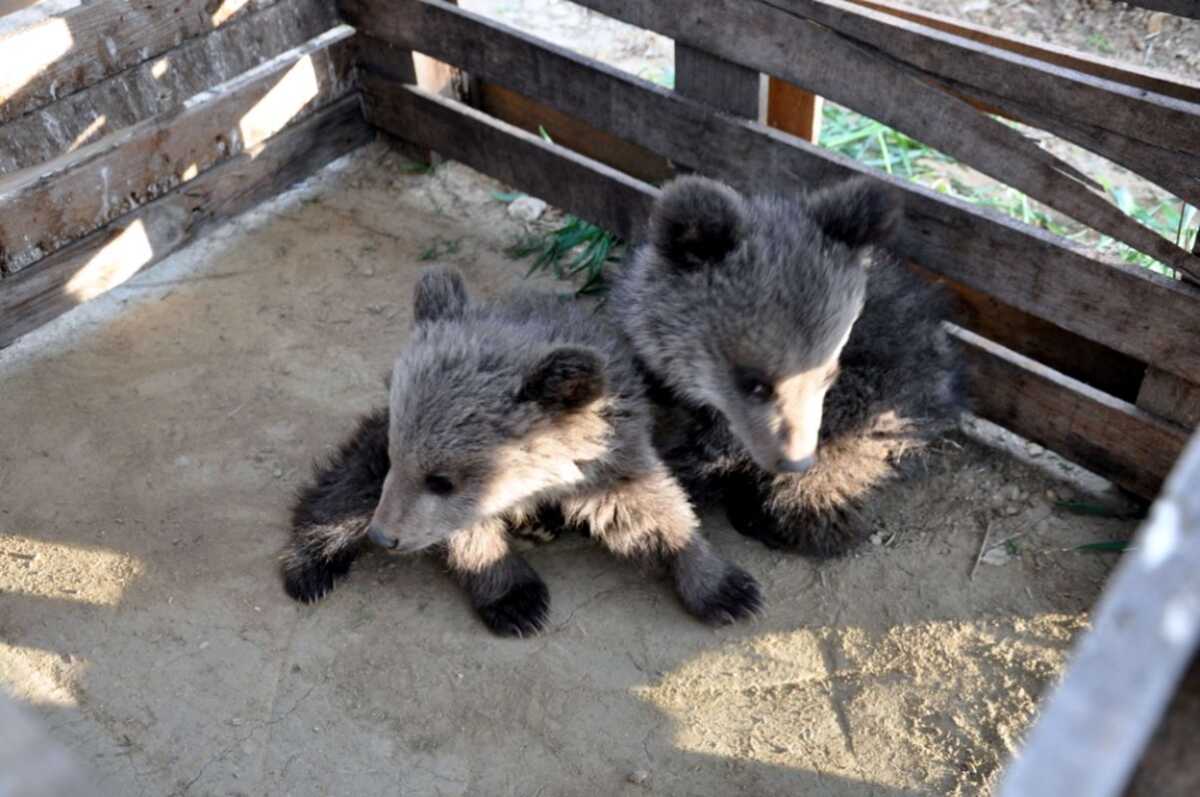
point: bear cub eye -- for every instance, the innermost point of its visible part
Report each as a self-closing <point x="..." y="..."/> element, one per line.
<point x="438" y="484"/>
<point x="753" y="384"/>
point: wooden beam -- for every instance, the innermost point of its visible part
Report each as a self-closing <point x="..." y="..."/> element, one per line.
<point x="93" y="41"/>
<point x="1157" y="81"/>
<point x="42" y="210"/>
<point x="722" y="84"/>
<point x="794" y="110"/>
<point x="1092" y="730"/>
<point x="883" y="70"/>
<point x="1109" y="436"/>
<point x="1021" y="266"/>
<point x="1170" y="397"/>
<point x="140" y="239"/>
<point x="160" y="84"/>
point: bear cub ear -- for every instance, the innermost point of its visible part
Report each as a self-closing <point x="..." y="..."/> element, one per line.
<point x="857" y="212"/>
<point x="696" y="222"/>
<point x="566" y="378"/>
<point x="440" y="294"/>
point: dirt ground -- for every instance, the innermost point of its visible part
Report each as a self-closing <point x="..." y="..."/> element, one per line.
<point x="152" y="440"/>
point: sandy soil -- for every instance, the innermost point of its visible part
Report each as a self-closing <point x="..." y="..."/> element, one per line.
<point x="152" y="440"/>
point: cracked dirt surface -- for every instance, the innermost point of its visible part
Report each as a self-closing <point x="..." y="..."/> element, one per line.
<point x="151" y="441"/>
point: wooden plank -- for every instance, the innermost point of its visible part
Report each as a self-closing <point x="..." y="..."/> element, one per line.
<point x="1109" y="436"/>
<point x="160" y="84"/>
<point x="872" y="76"/>
<point x="1128" y="74"/>
<point x="722" y="84"/>
<point x="1021" y="266"/>
<point x="47" y="208"/>
<point x="589" y="189"/>
<point x="571" y="133"/>
<point x="1123" y="672"/>
<point x="1182" y="8"/>
<point x="794" y="110"/>
<point x="96" y="40"/>
<point x="1170" y="397"/>
<point x="142" y="238"/>
<point x="1105" y="369"/>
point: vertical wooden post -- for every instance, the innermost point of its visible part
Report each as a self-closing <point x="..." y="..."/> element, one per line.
<point x="1168" y="396"/>
<point x="794" y="110"/>
<point x="723" y="84"/>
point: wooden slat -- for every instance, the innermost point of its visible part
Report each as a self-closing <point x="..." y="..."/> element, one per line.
<point x="589" y="189"/>
<point x="1182" y="8"/>
<point x="142" y="238"/>
<point x="1157" y="81"/>
<point x="722" y="84"/>
<point x="1170" y="397"/>
<point x="1123" y="672"/>
<point x="567" y="131"/>
<point x="1109" y="436"/>
<point x="44" y="209"/>
<point x="96" y="40"/>
<point x="1021" y="266"/>
<point x="160" y="84"/>
<point x="873" y="77"/>
<point x="794" y="110"/>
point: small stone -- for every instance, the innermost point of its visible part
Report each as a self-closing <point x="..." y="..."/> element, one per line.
<point x="638" y="777"/>
<point x="1034" y="450"/>
<point x="1012" y="509"/>
<point x="877" y="538"/>
<point x="277" y="472"/>
<point x="997" y="557"/>
<point x="526" y="208"/>
<point x="1051" y="495"/>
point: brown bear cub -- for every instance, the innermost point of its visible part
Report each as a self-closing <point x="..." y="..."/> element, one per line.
<point x="797" y="366"/>
<point x="501" y="412"/>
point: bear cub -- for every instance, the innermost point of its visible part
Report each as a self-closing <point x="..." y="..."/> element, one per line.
<point x="501" y="413"/>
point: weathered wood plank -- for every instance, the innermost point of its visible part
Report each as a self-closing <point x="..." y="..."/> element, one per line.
<point x="569" y="132"/>
<point x="1021" y="266"/>
<point x="794" y="110"/>
<point x="160" y="84"/>
<point x="46" y="208"/>
<point x="1182" y="8"/>
<point x="1109" y="436"/>
<point x="1123" y="672"/>
<point x="1154" y="80"/>
<point x="96" y="40"/>
<point x="589" y="189"/>
<point x="722" y="84"/>
<point x="872" y="76"/>
<point x="1170" y="397"/>
<point x="142" y="238"/>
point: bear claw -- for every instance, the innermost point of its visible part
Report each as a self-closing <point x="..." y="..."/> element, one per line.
<point x="312" y="580"/>
<point x="737" y="597"/>
<point x="521" y="611"/>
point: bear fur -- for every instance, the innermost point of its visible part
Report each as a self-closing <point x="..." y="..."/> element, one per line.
<point x="503" y="414"/>
<point x="797" y="366"/>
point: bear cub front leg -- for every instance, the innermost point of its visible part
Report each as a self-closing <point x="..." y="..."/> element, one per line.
<point x="508" y="594"/>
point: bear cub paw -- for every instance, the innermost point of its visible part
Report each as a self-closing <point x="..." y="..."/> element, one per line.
<point x="311" y="579"/>
<point x="521" y="611"/>
<point x="736" y="597"/>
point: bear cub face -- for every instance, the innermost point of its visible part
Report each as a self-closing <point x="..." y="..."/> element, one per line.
<point x="481" y="419"/>
<point x="745" y="304"/>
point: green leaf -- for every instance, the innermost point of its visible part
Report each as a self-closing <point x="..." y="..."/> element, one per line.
<point x="1116" y="546"/>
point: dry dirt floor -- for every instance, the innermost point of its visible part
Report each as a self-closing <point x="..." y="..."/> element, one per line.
<point x="150" y="443"/>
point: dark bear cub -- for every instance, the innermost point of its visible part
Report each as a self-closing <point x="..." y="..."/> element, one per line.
<point x="797" y="365"/>
<point x="500" y="414"/>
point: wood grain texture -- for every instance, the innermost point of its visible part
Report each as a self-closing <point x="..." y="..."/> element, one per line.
<point x="1109" y="436"/>
<point x="80" y="271"/>
<point x="1089" y="735"/>
<point x="722" y="84"/>
<point x="883" y="71"/>
<point x="1132" y="75"/>
<point x="1170" y="397"/>
<point x="1021" y="266"/>
<point x="46" y="208"/>
<point x="587" y="188"/>
<point x="794" y="110"/>
<point x="103" y="38"/>
<point x="160" y="84"/>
